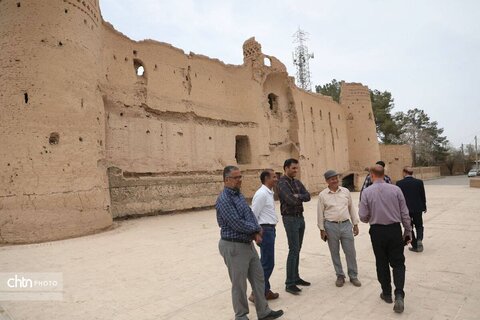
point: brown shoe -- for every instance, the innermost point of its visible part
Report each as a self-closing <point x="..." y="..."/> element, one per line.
<point x="251" y="298"/>
<point x="271" y="295"/>
<point x="340" y="281"/>
<point x="356" y="282"/>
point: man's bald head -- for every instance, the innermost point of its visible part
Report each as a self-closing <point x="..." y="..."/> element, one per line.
<point x="377" y="172"/>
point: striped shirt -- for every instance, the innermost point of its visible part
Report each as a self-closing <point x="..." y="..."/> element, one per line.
<point x="384" y="204"/>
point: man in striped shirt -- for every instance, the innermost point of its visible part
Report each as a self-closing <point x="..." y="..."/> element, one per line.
<point x="238" y="228"/>
<point x="383" y="206"/>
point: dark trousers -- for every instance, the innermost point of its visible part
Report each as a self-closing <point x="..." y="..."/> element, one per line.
<point x="417" y="225"/>
<point x="267" y="254"/>
<point x="295" y="229"/>
<point x="387" y="242"/>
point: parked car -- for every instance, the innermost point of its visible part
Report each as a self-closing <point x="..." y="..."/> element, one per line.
<point x="473" y="172"/>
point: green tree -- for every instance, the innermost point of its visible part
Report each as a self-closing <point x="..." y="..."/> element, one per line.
<point x="454" y="156"/>
<point x="428" y="144"/>
<point x="331" y="89"/>
<point x="388" y="131"/>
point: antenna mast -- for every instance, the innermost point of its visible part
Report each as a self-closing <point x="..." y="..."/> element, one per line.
<point x="301" y="60"/>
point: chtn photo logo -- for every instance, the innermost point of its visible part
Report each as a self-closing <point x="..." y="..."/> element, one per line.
<point x="22" y="282"/>
<point x="19" y="282"/>
<point x="31" y="286"/>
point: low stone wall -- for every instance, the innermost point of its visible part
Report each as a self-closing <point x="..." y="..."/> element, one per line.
<point x="474" y="182"/>
<point x="426" y="173"/>
<point x="138" y="194"/>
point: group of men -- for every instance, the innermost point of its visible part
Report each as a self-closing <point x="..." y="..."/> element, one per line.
<point x="383" y="205"/>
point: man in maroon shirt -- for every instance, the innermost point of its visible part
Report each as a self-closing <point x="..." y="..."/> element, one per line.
<point x="383" y="206"/>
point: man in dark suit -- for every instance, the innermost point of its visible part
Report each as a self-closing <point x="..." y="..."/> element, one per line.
<point x="414" y="193"/>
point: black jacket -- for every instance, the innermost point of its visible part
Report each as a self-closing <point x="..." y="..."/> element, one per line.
<point x="414" y="193"/>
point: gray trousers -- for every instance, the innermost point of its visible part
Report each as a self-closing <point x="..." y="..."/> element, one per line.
<point x="243" y="263"/>
<point x="342" y="233"/>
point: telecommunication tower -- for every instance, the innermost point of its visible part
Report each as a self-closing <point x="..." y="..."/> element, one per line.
<point x="301" y="60"/>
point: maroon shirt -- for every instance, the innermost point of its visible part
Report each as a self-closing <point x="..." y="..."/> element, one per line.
<point x="384" y="203"/>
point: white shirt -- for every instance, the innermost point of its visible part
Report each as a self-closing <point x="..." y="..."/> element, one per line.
<point x="335" y="206"/>
<point x="263" y="206"/>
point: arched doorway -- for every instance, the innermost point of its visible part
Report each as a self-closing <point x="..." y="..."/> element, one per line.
<point x="348" y="182"/>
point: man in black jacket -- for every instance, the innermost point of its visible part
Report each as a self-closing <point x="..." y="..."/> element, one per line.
<point x="414" y="193"/>
<point x="292" y="195"/>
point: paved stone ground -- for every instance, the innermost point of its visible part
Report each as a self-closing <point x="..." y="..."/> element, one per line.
<point x="168" y="267"/>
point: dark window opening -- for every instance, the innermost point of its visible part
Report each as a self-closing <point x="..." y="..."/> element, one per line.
<point x="25" y="97"/>
<point x="54" y="138"/>
<point x="139" y="68"/>
<point x="273" y="102"/>
<point x="18" y="5"/>
<point x="243" y="154"/>
<point x="66" y="10"/>
<point x="348" y="182"/>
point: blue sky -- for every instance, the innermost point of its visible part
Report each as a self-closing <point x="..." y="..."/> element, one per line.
<point x="425" y="52"/>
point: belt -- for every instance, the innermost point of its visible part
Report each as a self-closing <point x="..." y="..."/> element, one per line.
<point x="338" y="221"/>
<point x="292" y="215"/>
<point x="236" y="240"/>
<point x="395" y="224"/>
<point x="268" y="225"/>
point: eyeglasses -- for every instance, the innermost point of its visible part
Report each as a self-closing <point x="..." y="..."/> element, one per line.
<point x="236" y="177"/>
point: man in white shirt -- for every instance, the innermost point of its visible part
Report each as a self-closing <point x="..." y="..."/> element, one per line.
<point x="336" y="215"/>
<point x="263" y="207"/>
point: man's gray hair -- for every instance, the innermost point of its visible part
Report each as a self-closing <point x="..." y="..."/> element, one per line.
<point x="227" y="170"/>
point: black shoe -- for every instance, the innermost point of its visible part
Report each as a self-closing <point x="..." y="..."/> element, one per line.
<point x="387" y="299"/>
<point x="399" y="304"/>
<point x="420" y="246"/>
<point x="272" y="315"/>
<point x="293" y="289"/>
<point x="414" y="249"/>
<point x="302" y="282"/>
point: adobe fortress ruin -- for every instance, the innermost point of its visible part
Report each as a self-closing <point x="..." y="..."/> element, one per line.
<point x="85" y="139"/>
